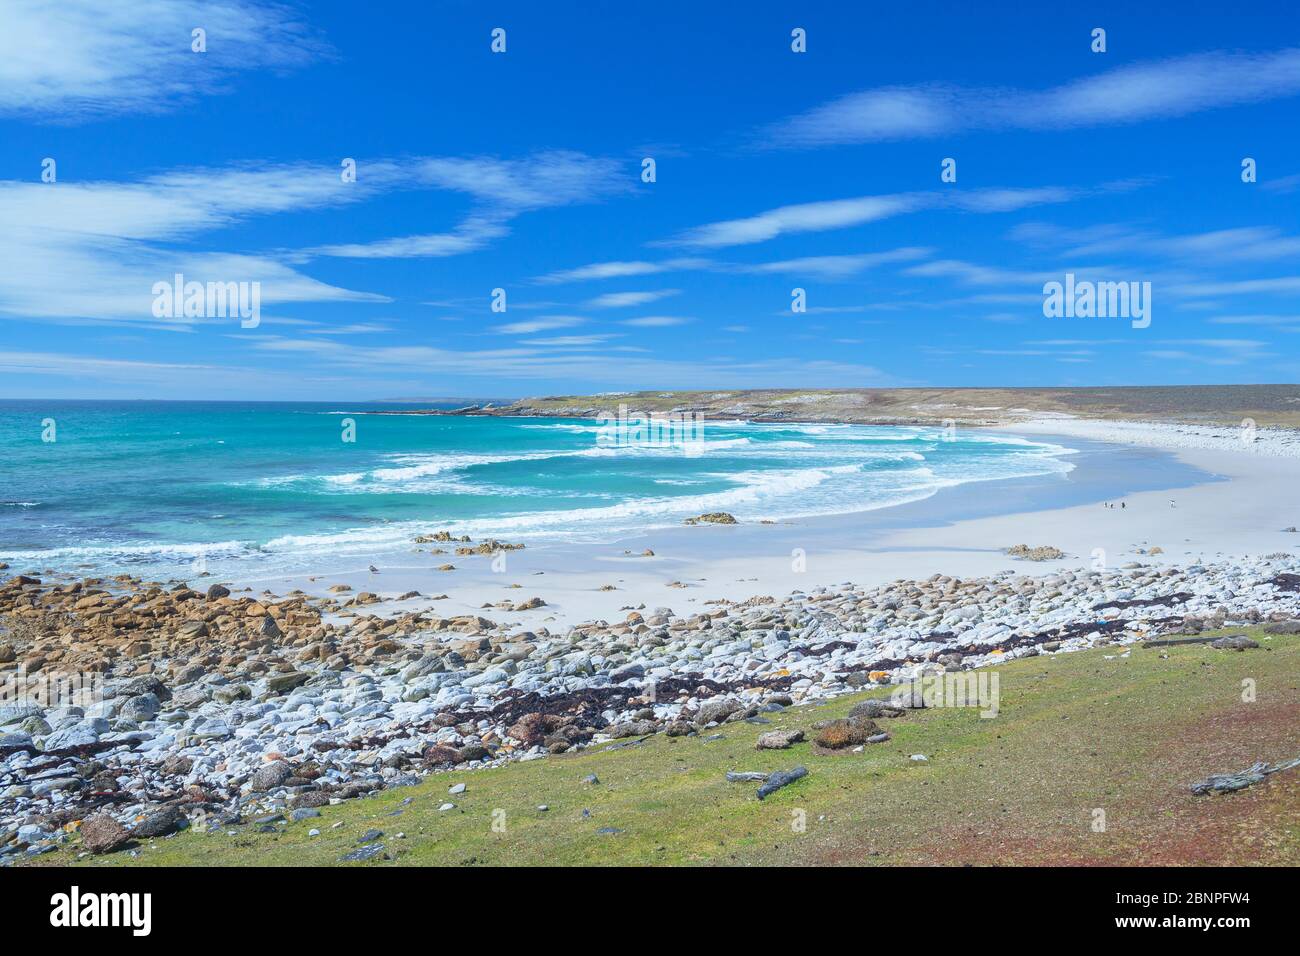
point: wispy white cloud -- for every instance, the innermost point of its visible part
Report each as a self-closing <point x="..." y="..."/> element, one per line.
<point x="468" y="236"/>
<point x="843" y="213"/>
<point x="1284" y="320"/>
<point x="656" y="321"/>
<point x="1281" y="285"/>
<point x="1211" y="351"/>
<point x="78" y="59"/>
<point x="622" y="270"/>
<point x="805" y="217"/>
<point x="502" y="190"/>
<point x="830" y="266"/>
<point x="1127" y="94"/>
<point x="841" y="266"/>
<point x="92" y="251"/>
<point x="975" y="274"/>
<point x="79" y="251"/>
<point x="1239" y="244"/>
<point x="544" y="323"/>
<point x="634" y="369"/>
<point x="1282" y="184"/>
<point x="619" y="300"/>
<point x="355" y="328"/>
<point x="539" y="181"/>
<point x="569" y="341"/>
<point x="18" y="361"/>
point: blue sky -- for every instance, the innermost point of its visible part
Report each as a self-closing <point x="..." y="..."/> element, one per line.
<point x="775" y="170"/>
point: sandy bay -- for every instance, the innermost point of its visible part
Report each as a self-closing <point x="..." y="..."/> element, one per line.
<point x="1226" y="501"/>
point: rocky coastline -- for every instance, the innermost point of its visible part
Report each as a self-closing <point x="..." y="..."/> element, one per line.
<point x="214" y="709"/>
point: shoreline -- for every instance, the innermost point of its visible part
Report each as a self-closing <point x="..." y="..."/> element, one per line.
<point x="728" y="562"/>
<point x="220" y="706"/>
<point x="1196" y="405"/>
<point x="957" y="530"/>
<point x="961" y="529"/>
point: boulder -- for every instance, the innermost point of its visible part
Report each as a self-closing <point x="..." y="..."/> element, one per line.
<point x="872" y="708"/>
<point x="778" y="739"/>
<point x="140" y="708"/>
<point x="161" y="822"/>
<point x="272" y="775"/>
<point x="102" y="834"/>
<point x="838" y="734"/>
<point x="1234" y="642"/>
<point x="716" y="711"/>
<point x="283" y="683"/>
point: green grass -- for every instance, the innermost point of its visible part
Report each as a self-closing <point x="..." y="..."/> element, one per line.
<point x="1075" y="733"/>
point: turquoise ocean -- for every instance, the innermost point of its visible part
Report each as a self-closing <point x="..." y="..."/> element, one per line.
<point x="153" y="487"/>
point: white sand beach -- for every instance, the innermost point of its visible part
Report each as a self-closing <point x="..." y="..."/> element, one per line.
<point x="1208" y="497"/>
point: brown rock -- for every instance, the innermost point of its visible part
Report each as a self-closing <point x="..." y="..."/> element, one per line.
<point x="177" y="765"/>
<point x="442" y="755"/>
<point x="102" y="834"/>
<point x="838" y="734"/>
<point x="530" y="729"/>
<point x="713" y="517"/>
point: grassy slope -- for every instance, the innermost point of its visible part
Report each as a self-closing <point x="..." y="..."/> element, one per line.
<point x="1075" y="732"/>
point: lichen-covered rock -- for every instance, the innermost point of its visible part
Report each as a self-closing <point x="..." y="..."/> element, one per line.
<point x="778" y="739"/>
<point x="102" y="834"/>
<point x="272" y="775"/>
<point x="716" y="711"/>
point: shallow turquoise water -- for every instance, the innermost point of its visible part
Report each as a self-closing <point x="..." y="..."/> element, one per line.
<point x="142" y="485"/>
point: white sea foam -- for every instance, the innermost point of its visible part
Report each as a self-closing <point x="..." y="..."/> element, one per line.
<point x="566" y="427"/>
<point x="827" y="469"/>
